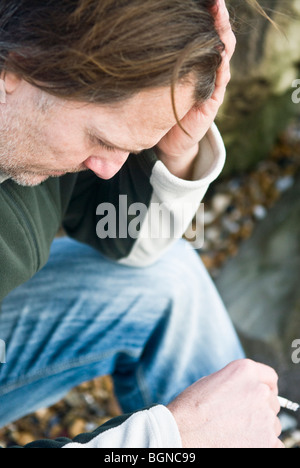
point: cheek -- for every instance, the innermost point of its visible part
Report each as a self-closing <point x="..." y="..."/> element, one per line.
<point x="66" y="145"/>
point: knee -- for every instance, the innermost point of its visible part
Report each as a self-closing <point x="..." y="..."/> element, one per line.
<point x="177" y="274"/>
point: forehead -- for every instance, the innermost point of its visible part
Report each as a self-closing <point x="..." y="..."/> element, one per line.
<point x="146" y="116"/>
<point x="155" y="106"/>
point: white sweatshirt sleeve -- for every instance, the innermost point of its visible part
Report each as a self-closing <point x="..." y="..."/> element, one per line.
<point x="153" y="428"/>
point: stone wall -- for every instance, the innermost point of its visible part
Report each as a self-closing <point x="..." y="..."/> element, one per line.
<point x="258" y="104"/>
<point x="260" y="288"/>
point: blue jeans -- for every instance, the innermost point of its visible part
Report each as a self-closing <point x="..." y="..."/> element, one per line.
<point x="156" y="330"/>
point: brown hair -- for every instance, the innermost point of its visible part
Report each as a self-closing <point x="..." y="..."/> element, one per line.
<point x="255" y="4"/>
<point x="105" y="51"/>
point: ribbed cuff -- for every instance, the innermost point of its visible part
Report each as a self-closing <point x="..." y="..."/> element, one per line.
<point x="165" y="427"/>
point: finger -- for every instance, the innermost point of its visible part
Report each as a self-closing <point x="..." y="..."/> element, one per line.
<point x="278" y="427"/>
<point x="222" y="80"/>
<point x="275" y="405"/>
<point x="230" y="43"/>
<point x="268" y="376"/>
<point x="223" y="74"/>
<point x="223" y="26"/>
<point x="222" y="17"/>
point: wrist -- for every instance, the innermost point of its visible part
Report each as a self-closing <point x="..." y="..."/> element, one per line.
<point x="180" y="166"/>
<point x="184" y="424"/>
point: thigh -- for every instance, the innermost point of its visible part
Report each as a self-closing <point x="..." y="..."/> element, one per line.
<point x="156" y="329"/>
<point x="68" y="324"/>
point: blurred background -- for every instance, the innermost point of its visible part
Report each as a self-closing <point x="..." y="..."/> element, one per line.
<point x="260" y="123"/>
<point x="252" y="241"/>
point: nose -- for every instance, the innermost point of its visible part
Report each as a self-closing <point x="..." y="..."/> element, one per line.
<point x="106" y="168"/>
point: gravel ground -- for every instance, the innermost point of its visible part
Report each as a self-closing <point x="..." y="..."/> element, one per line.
<point x="233" y="207"/>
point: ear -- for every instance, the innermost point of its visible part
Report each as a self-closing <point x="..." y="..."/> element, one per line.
<point x="2" y="92"/>
<point x="11" y="80"/>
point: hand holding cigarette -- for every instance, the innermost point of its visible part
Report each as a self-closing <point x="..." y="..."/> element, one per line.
<point x="236" y="407"/>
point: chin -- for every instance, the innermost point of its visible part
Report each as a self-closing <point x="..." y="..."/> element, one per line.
<point x="29" y="181"/>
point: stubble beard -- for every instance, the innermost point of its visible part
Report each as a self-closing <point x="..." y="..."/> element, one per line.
<point x="21" y="140"/>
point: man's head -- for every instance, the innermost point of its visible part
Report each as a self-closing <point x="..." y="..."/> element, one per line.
<point x="122" y="71"/>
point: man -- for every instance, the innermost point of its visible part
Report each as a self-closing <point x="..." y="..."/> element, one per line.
<point x="102" y="99"/>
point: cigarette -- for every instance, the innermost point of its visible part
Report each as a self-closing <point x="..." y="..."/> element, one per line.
<point x="284" y="403"/>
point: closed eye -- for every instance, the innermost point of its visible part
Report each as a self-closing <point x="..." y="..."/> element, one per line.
<point x="110" y="147"/>
<point x="105" y="146"/>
